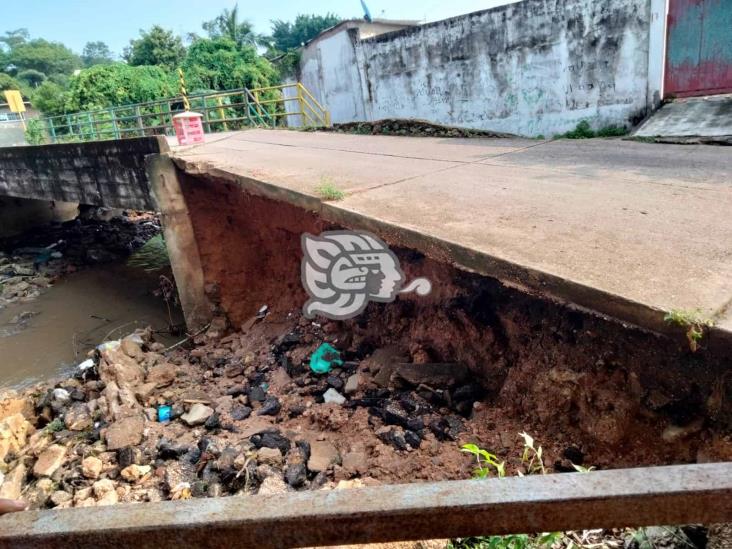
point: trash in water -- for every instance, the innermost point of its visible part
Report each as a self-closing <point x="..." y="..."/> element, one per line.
<point x="324" y="358"/>
<point x="88" y="363"/>
<point x="109" y="346"/>
<point x="164" y="413"/>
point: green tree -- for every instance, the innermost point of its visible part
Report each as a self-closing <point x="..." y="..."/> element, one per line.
<point x="43" y="56"/>
<point x="14" y="38"/>
<point x="287" y="36"/>
<point x="227" y="25"/>
<point x="117" y="84"/>
<point x="96" y="53"/>
<point x="48" y="98"/>
<point x="220" y="64"/>
<point x="31" y="77"/>
<point x="155" y="47"/>
<point x="7" y="82"/>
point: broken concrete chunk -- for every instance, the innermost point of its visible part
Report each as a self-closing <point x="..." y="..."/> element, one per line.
<point x="125" y="432"/>
<point x="13" y="434"/>
<point x="322" y="455"/>
<point x="333" y="396"/>
<point x="13" y="483"/>
<point x="161" y="375"/>
<point x="197" y="415"/>
<point x="91" y="467"/>
<point x="270" y="456"/>
<point x="50" y="460"/>
<point x="77" y="417"/>
<point x="133" y="473"/>
<point x="352" y="384"/>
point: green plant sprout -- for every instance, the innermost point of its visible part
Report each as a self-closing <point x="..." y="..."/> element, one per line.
<point x="328" y="191"/>
<point x="691" y="320"/>
<point x="486" y="462"/>
<point x="532" y="457"/>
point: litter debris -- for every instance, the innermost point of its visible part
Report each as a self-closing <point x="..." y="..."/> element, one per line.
<point x="324" y="358"/>
<point x="164" y="413"/>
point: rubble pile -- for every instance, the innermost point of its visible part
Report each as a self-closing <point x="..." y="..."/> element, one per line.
<point x="242" y="413"/>
<point x="31" y="262"/>
<point x="411" y="127"/>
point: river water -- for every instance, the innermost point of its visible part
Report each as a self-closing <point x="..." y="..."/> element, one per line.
<point x="73" y="316"/>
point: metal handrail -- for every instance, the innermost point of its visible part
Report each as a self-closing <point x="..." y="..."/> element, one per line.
<point x="221" y="111"/>
<point x="681" y="494"/>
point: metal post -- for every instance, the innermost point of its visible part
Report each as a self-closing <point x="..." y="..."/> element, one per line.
<point x="115" y="128"/>
<point x="140" y="124"/>
<point x="51" y="129"/>
<point x="301" y="104"/>
<point x="92" y="125"/>
<point x="222" y="112"/>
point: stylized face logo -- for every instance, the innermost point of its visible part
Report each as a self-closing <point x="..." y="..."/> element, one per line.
<point x="343" y="270"/>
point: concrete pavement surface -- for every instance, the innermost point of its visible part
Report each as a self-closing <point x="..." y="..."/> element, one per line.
<point x="623" y="228"/>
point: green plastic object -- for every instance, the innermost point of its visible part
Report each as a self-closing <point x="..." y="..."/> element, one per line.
<point x="323" y="359"/>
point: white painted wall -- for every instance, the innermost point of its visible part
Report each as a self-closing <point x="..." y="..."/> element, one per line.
<point x="657" y="52"/>
<point x="533" y="67"/>
<point x="329" y="71"/>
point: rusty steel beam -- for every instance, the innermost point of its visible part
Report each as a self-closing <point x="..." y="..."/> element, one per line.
<point x="601" y="499"/>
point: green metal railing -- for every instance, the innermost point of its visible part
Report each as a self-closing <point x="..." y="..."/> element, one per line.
<point x="287" y="105"/>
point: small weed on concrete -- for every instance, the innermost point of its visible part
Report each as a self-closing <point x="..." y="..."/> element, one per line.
<point x="693" y="322"/>
<point x="328" y="191"/>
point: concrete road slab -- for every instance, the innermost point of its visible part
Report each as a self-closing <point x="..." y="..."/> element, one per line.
<point x="624" y="228"/>
<point x="610" y="234"/>
<point x="430" y="148"/>
<point x="304" y="169"/>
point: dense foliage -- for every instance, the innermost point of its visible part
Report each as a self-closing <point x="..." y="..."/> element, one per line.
<point x="287" y="36"/>
<point x="96" y="53"/>
<point x="117" y="84"/>
<point x="221" y="64"/>
<point x="58" y="81"/>
<point x="155" y="47"/>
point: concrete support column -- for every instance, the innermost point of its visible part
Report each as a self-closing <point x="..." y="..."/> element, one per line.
<point x="180" y="240"/>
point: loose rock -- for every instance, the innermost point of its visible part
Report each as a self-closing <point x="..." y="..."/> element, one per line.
<point x="50" y="460"/>
<point x="333" y="396"/>
<point x="91" y="467"/>
<point x="197" y="415"/>
<point x="125" y="432"/>
<point x="322" y="456"/>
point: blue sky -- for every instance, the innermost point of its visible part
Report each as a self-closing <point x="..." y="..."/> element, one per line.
<point x="75" y="22"/>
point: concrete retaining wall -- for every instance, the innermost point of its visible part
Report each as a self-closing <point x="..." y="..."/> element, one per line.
<point x="103" y="173"/>
<point x="533" y="67"/>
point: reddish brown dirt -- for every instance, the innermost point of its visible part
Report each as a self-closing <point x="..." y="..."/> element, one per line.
<point x="569" y="377"/>
<point x="238" y="257"/>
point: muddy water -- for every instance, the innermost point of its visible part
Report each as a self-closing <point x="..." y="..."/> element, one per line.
<point x="72" y="317"/>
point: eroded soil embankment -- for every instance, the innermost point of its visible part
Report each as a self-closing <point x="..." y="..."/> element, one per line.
<point x="624" y="396"/>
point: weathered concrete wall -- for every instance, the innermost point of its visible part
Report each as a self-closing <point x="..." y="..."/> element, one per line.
<point x="328" y="67"/>
<point x="533" y="67"/>
<point x="11" y="134"/>
<point x="103" y="173"/>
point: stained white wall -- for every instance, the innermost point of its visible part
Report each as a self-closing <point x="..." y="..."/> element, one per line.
<point x="533" y="67"/>
<point x="328" y="69"/>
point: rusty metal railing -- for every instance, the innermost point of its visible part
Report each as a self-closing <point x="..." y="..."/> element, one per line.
<point x="543" y="503"/>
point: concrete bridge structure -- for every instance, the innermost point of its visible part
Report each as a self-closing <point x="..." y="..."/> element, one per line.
<point x="625" y="229"/>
